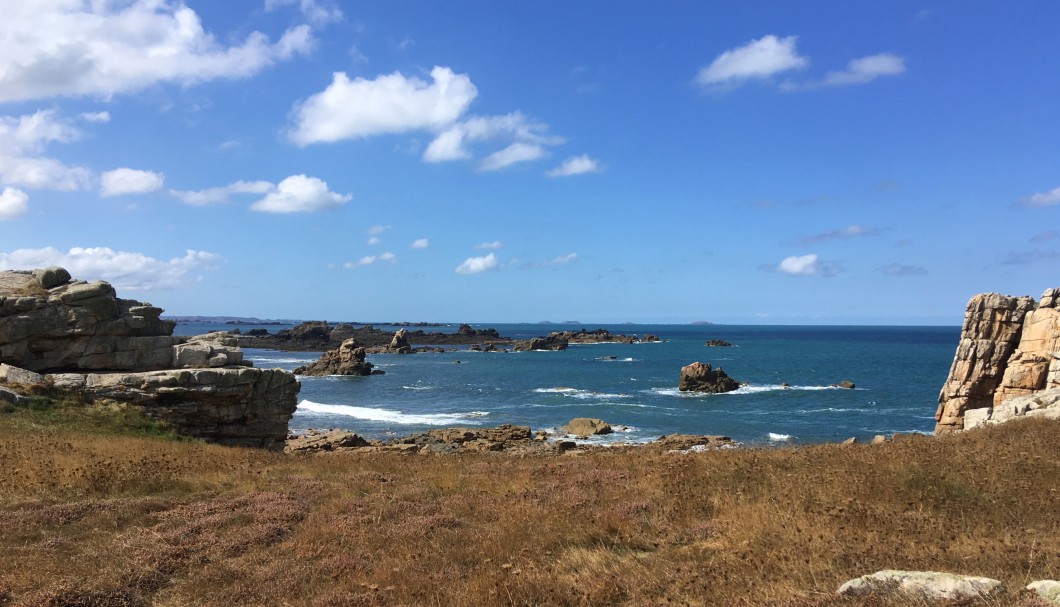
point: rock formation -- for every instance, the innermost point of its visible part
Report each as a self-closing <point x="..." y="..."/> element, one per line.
<point x="82" y="337"/>
<point x="922" y="585"/>
<point x="348" y="359"/>
<point x="552" y="341"/>
<point x="316" y="336"/>
<point x="700" y="377"/>
<point x="587" y="426"/>
<point x="717" y="343"/>
<point x="1009" y="348"/>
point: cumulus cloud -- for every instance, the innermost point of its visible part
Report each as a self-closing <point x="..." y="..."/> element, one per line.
<point x="807" y="265"/>
<point x="758" y="59"/>
<point x="391" y="103"/>
<point x="496" y="244"/>
<point x="125" y="270"/>
<point x="1043" y="199"/>
<point x="866" y="69"/>
<point x="22" y="143"/>
<point x="474" y="265"/>
<point x="300" y="194"/>
<point x="313" y="11"/>
<point x="222" y="194"/>
<point x="56" y="48"/>
<point x="368" y="260"/>
<point x="420" y="243"/>
<point x="13" y="204"/>
<point x="850" y="231"/>
<point x="513" y="154"/>
<point x="897" y="269"/>
<point x="129" y="181"/>
<point x="377" y="230"/>
<point x="576" y="165"/>
<point x="452" y="143"/>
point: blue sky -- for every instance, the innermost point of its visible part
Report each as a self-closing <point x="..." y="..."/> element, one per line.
<point x="816" y="162"/>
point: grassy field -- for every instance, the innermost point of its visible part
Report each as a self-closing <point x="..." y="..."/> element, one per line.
<point x="103" y="508"/>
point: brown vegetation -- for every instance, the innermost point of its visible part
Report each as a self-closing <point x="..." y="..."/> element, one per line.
<point x="106" y="519"/>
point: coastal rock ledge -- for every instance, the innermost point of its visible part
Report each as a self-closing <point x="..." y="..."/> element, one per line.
<point x="60" y="333"/>
<point x="1007" y="362"/>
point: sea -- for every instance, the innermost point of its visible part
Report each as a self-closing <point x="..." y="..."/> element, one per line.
<point x="897" y="371"/>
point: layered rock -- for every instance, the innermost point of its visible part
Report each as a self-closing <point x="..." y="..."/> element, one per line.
<point x="347" y="359"/>
<point x="1008" y="348"/>
<point x="701" y="377"/>
<point x="84" y="338"/>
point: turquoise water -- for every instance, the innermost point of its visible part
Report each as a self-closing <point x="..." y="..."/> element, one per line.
<point x="898" y="372"/>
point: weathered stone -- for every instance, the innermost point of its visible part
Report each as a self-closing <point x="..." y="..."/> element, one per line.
<point x="846" y="384"/>
<point x="400" y="343"/>
<point x="1047" y="590"/>
<point x="552" y="341"/>
<point x="315" y="441"/>
<point x="930" y="585"/>
<point x="879" y="439"/>
<point x="989" y="335"/>
<point x="10" y="396"/>
<point x="15" y="375"/>
<point x="700" y="377"/>
<point x="52" y="277"/>
<point x="974" y="418"/>
<point x="587" y="426"/>
<point x="683" y="442"/>
<point x="851" y="441"/>
<point x="348" y="359"/>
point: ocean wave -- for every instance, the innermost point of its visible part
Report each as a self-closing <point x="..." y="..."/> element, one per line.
<point x="279" y="361"/>
<point x="753" y="389"/>
<point x="628" y="359"/>
<point x="779" y="438"/>
<point x="395" y="417"/>
<point x="579" y="394"/>
<point x="418" y="387"/>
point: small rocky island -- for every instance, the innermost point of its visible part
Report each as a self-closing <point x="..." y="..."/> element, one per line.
<point x="316" y="336"/>
<point x="559" y="340"/>
<point x="60" y="334"/>
<point x="701" y="377"/>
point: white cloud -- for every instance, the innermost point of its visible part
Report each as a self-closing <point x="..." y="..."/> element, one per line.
<point x="376" y="230"/>
<point x="22" y="141"/>
<point x="375" y="240"/>
<point x="799" y="265"/>
<point x="313" y="11"/>
<point x="368" y="260"/>
<point x="129" y="181"/>
<point x="53" y="48"/>
<point x="866" y="69"/>
<point x="562" y="260"/>
<point x="850" y="231"/>
<point x="300" y="194"/>
<point x="1043" y="199"/>
<point x="133" y="271"/>
<point x="222" y="194"/>
<point x="514" y="153"/>
<point x="420" y="243"/>
<point x="391" y="103"/>
<point x="12" y="203"/>
<point x="95" y="116"/>
<point x="758" y="59"/>
<point x="576" y="165"/>
<point x="496" y="244"/>
<point x="474" y="265"/>
<point x="451" y="144"/>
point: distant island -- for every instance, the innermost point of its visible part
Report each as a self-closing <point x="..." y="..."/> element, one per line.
<point x="564" y="322"/>
<point x="702" y="322"/>
<point x="231" y="320"/>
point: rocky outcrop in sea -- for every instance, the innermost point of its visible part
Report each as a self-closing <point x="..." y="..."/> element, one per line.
<point x="316" y="336"/>
<point x="347" y="359"/>
<point x="57" y="333"/>
<point x="701" y="377"/>
<point x="1007" y="362"/>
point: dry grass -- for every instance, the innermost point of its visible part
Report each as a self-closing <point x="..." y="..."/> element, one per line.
<point x="108" y="519"/>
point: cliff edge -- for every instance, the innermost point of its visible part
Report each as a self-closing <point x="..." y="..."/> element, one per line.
<point x="56" y="332"/>
<point x="1007" y="362"/>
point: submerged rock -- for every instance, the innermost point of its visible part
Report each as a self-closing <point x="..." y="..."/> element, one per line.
<point x="846" y="384"/>
<point x="700" y="377"/>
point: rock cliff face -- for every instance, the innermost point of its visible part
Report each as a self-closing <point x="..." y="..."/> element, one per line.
<point x="82" y="337"/>
<point x="1009" y="348"/>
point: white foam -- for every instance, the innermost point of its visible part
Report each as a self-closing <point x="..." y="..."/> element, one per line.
<point x="779" y="438"/>
<point x="281" y="361"/>
<point x="417" y="387"/>
<point x="580" y="394"/>
<point x="396" y="417"/>
<point x="751" y="389"/>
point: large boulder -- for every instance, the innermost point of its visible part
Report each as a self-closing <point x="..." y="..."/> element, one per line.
<point x="701" y="377"/>
<point x="587" y="426"/>
<point x="921" y="585"/>
<point x="400" y="343"/>
<point x="347" y="359"/>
